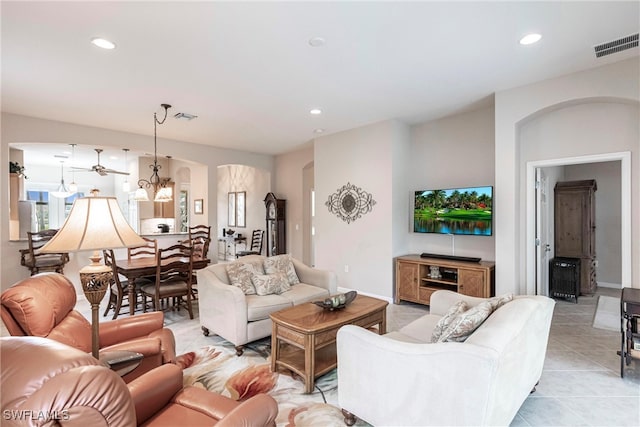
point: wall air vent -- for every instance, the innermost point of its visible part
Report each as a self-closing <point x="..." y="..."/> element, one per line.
<point x="614" y="46"/>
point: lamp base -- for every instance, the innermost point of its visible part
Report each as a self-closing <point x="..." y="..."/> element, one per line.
<point x="96" y="279"/>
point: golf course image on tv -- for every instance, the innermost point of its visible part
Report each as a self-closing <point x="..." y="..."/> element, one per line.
<point x="466" y="211"/>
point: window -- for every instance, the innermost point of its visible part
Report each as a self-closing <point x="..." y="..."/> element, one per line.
<point x="68" y="202"/>
<point x="41" y="209"/>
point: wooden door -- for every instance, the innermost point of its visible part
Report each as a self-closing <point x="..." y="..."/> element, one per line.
<point x="407" y="280"/>
<point x="472" y="283"/>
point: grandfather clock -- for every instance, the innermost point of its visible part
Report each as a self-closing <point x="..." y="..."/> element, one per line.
<point x="276" y="228"/>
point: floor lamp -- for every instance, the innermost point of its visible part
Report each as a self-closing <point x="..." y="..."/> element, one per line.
<point x="94" y="223"/>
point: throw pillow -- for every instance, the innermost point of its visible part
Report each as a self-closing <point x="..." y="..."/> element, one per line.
<point x="240" y="275"/>
<point x="467" y="322"/>
<point x="281" y="264"/>
<point x="446" y="320"/>
<point x="267" y="284"/>
<point x="499" y="301"/>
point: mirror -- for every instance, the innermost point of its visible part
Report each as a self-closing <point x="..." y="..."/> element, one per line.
<point x="237" y="209"/>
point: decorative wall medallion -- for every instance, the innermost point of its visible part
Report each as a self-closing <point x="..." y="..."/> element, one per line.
<point x="350" y="202"/>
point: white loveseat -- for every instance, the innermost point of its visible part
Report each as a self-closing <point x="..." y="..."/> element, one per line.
<point x="226" y="311"/>
<point x="401" y="379"/>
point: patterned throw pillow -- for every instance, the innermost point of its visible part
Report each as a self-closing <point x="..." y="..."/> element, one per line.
<point x="446" y="320"/>
<point x="240" y="275"/>
<point x="467" y="322"/>
<point x="499" y="301"/>
<point x="281" y="264"/>
<point x="267" y="284"/>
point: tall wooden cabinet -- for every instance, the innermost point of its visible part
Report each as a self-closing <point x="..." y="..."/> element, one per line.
<point x="417" y="278"/>
<point x="575" y="228"/>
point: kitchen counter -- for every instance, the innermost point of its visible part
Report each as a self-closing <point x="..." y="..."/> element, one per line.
<point x="171" y="233"/>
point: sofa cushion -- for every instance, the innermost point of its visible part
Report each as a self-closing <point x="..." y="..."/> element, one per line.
<point x="467" y="322"/>
<point x="446" y="320"/>
<point x="498" y="301"/>
<point x="240" y="275"/>
<point x="267" y="284"/>
<point x="259" y="307"/>
<point x="421" y="329"/>
<point x="282" y="264"/>
<point x="302" y="293"/>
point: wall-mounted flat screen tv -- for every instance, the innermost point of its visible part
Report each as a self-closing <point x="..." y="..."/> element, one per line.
<point x="466" y="211"/>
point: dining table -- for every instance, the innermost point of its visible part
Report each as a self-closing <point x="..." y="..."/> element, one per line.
<point x="136" y="268"/>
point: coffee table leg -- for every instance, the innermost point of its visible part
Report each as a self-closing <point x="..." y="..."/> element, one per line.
<point x="309" y="363"/>
<point x="274" y="347"/>
<point x="382" y="328"/>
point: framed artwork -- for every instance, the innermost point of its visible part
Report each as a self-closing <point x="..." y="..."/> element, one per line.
<point x="241" y="209"/>
<point x="232" y="209"/>
<point x="198" y="206"/>
<point x="238" y="209"/>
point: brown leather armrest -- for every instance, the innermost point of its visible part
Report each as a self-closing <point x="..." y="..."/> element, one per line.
<point x="146" y="346"/>
<point x="260" y="410"/>
<point x="152" y="391"/>
<point x="140" y="325"/>
<point x="214" y="405"/>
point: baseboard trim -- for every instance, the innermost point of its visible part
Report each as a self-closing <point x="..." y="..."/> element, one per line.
<point x="610" y="285"/>
<point x="387" y="299"/>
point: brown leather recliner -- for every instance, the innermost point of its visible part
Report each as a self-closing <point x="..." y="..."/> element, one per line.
<point x="43" y="306"/>
<point x="45" y="382"/>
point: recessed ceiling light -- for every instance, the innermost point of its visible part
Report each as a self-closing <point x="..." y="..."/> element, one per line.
<point x="530" y="39"/>
<point x="103" y="43"/>
<point x="315" y="111"/>
<point x="319" y="130"/>
<point x="316" y="41"/>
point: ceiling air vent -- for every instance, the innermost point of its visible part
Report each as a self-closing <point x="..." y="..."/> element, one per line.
<point x="616" y="46"/>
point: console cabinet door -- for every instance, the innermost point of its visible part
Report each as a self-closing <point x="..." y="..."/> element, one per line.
<point x="472" y="283"/>
<point x="407" y="281"/>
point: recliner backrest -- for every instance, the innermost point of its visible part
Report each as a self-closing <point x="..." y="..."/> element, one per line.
<point x="43" y="306"/>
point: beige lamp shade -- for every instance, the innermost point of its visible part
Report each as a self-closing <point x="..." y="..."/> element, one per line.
<point x="94" y="223"/>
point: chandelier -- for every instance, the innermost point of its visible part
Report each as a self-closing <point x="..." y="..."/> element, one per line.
<point x="162" y="193"/>
<point x="62" y="192"/>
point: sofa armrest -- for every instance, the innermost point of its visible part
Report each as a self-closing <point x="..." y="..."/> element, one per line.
<point x="126" y="328"/>
<point x="145" y="346"/>
<point x="314" y="276"/>
<point x="260" y="410"/>
<point x="154" y="390"/>
<point x="452" y="380"/>
<point x="223" y="308"/>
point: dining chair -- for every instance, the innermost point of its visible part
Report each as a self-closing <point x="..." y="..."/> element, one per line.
<point x="38" y="263"/>
<point x="202" y="232"/>
<point x="173" y="279"/>
<point x="256" y="244"/>
<point x="119" y="289"/>
<point x="149" y="249"/>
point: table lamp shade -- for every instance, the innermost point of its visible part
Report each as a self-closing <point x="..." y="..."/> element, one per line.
<point x="94" y="223"/>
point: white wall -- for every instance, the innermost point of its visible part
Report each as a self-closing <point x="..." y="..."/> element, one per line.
<point x="615" y="83"/>
<point x="17" y="128"/>
<point x="289" y="185"/>
<point x="256" y="183"/>
<point x="362" y="157"/>
<point x="455" y="151"/>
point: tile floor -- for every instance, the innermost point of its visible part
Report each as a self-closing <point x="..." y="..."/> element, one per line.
<point x="580" y="384"/>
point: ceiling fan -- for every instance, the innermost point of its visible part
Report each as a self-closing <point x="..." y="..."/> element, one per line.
<point x="99" y="169"/>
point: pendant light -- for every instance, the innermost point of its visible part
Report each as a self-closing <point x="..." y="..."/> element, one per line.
<point x="161" y="192"/>
<point x="62" y="192"/>
<point x="73" y="187"/>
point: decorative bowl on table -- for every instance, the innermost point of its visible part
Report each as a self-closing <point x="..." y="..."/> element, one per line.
<point x="336" y="302"/>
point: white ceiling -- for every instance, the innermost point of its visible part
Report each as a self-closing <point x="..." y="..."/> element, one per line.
<point x="247" y="69"/>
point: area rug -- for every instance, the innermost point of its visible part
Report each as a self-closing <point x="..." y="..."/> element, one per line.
<point x="218" y="369"/>
<point x="607" y="314"/>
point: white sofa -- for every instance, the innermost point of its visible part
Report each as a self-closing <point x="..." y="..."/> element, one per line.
<point x="226" y="311"/>
<point x="401" y="379"/>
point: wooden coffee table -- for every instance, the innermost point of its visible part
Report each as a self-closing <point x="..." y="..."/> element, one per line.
<point x="304" y="336"/>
